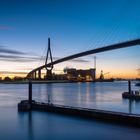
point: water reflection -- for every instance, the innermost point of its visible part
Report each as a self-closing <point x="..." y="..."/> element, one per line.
<point x="107" y="96"/>
<point x="42" y="125"/>
<point x="104" y="96"/>
<point x="130" y="107"/>
<point x="49" y="93"/>
<point x="79" y="93"/>
<point x="26" y="122"/>
<point x="30" y="125"/>
<point x="87" y="92"/>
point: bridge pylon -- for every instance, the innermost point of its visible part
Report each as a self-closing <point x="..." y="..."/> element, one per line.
<point x="49" y="56"/>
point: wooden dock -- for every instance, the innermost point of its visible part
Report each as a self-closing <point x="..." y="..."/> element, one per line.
<point x="107" y="116"/>
<point x="131" y="96"/>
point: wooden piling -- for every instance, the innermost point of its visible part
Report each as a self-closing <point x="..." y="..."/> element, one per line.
<point x="30" y="92"/>
<point x="129" y="87"/>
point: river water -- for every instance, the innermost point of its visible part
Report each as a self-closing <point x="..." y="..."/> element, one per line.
<point x="43" y="125"/>
<point x="104" y="96"/>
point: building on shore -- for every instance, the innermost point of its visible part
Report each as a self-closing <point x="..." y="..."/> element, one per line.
<point x="81" y="75"/>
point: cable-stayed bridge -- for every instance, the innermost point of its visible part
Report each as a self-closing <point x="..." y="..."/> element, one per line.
<point x="49" y="66"/>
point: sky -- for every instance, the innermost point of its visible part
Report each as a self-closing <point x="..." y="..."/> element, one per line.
<point x="73" y="26"/>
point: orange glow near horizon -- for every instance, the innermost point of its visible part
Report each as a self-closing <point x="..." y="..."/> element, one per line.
<point x="116" y="69"/>
<point x="114" y="74"/>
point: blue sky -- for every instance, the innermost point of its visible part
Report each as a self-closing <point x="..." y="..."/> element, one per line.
<point x="74" y="26"/>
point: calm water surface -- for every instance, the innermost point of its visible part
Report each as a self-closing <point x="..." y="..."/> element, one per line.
<point x="42" y="125"/>
<point x="107" y="95"/>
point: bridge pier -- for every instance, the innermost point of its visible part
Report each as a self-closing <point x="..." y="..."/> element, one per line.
<point x="39" y="74"/>
<point x="34" y="75"/>
<point x="49" y="75"/>
<point x="31" y="77"/>
<point x="49" y="68"/>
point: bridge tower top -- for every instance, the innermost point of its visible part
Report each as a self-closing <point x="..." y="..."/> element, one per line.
<point x="49" y="56"/>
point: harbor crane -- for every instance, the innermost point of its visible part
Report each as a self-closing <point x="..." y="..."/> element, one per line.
<point x="102" y="75"/>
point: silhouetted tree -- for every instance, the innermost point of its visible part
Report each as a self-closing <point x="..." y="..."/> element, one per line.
<point x="17" y="78"/>
<point x="7" y="78"/>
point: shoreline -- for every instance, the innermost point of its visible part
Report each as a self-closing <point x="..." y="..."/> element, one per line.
<point x="57" y="81"/>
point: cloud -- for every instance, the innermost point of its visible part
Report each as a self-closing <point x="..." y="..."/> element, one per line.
<point x="25" y="68"/>
<point x="20" y="56"/>
<point x="12" y="72"/>
<point x="79" y="60"/>
<point x="16" y="58"/>
<point x="3" y="49"/>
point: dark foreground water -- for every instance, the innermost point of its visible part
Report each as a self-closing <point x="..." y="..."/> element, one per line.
<point x="42" y="125"/>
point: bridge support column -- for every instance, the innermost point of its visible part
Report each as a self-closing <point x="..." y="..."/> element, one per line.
<point x="39" y="74"/>
<point x="35" y="75"/>
<point x="31" y="76"/>
<point x="49" y="75"/>
<point x="49" y="68"/>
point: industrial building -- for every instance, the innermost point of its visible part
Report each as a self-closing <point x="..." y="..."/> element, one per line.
<point x="81" y="75"/>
